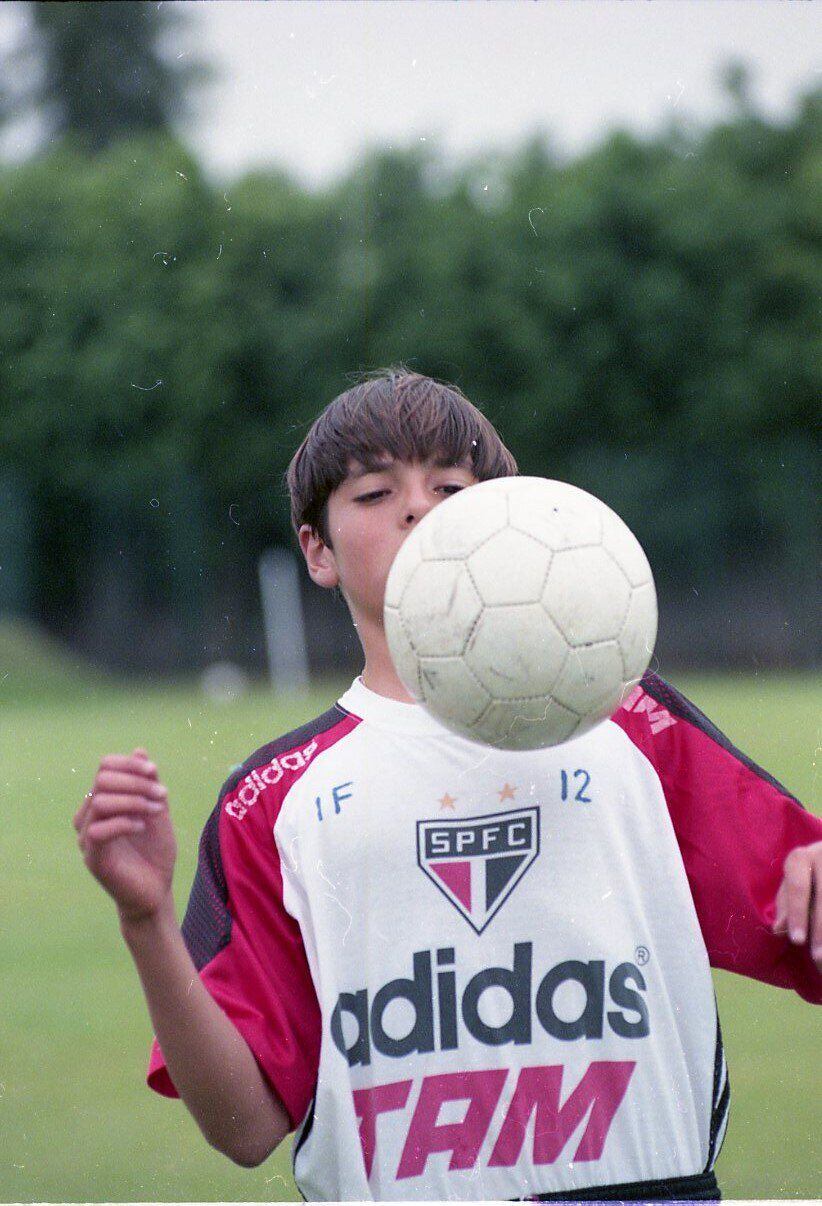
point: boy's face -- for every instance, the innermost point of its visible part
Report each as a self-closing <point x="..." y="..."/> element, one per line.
<point x="369" y="516"/>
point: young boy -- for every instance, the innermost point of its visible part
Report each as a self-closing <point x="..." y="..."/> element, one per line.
<point x="534" y="1017"/>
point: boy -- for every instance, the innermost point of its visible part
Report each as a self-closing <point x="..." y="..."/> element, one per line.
<point x="547" y="1028"/>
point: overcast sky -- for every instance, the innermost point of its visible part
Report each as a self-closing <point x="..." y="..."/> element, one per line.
<point x="306" y="84"/>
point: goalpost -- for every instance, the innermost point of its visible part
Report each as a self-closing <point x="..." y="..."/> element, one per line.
<point x="283" y="620"/>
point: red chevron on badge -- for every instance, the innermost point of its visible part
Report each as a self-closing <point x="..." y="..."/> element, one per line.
<point x="477" y="864"/>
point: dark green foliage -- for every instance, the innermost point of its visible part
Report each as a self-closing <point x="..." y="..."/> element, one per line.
<point x="98" y="72"/>
<point x="642" y="320"/>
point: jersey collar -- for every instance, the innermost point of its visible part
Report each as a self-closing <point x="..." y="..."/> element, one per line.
<point x="390" y="713"/>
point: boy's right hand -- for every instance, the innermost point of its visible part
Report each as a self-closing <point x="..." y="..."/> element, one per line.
<point x="126" y="836"/>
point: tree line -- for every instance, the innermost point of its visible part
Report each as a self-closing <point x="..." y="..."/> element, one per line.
<point x="641" y="319"/>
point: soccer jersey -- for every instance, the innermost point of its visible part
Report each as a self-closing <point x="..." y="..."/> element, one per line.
<point x="470" y="973"/>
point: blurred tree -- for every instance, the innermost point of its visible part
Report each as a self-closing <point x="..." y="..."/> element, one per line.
<point x="99" y="71"/>
<point x="642" y="320"/>
<point x="736" y="80"/>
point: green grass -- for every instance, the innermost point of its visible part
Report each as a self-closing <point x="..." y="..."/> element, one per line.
<point x="34" y="666"/>
<point x="78" y="1123"/>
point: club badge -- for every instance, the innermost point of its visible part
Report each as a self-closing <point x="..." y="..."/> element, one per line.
<point x="477" y="864"/>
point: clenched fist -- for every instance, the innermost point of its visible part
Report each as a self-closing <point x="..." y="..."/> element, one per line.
<point x="126" y="836"/>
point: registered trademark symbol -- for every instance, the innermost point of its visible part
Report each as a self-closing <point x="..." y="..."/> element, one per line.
<point x="642" y="955"/>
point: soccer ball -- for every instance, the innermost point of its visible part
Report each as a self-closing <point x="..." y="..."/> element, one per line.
<point x="520" y="612"/>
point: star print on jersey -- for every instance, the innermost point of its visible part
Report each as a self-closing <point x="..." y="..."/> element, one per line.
<point x="447" y="801"/>
<point x="477" y="864"/>
<point x="507" y="792"/>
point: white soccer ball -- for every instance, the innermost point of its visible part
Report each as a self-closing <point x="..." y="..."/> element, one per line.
<point x="520" y="612"/>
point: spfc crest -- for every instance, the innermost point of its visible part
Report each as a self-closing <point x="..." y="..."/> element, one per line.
<point x="477" y="864"/>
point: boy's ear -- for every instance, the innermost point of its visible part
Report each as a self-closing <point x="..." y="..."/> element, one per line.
<point x="319" y="558"/>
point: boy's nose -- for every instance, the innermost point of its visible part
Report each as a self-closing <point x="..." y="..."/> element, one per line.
<point x="415" y="509"/>
<point x="416" y="505"/>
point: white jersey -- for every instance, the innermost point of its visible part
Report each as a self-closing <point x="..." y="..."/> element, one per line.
<point x="467" y="973"/>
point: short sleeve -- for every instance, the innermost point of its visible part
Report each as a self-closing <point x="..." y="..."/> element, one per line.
<point x="249" y="953"/>
<point x="735" y="825"/>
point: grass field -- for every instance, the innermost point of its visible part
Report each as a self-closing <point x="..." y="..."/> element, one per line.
<point x="78" y="1123"/>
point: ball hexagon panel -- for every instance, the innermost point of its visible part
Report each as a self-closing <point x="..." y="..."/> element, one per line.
<point x="516" y="651"/>
<point x="559" y="523"/>
<point x="638" y="636"/>
<point x="439" y="607"/>
<point x="523" y="725"/>
<point x="620" y="542"/>
<point x="509" y="568"/>
<point x="469" y="519"/>
<point x="582" y="615"/>
<point x="591" y="680"/>
<point x="451" y="690"/>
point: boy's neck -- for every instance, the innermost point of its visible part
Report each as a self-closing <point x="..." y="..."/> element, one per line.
<point x="378" y="673"/>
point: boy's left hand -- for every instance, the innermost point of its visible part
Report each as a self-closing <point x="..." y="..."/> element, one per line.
<point x="799" y="900"/>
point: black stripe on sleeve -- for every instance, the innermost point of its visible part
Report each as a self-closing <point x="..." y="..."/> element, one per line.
<point x="206" y="925"/>
<point x="679" y="706"/>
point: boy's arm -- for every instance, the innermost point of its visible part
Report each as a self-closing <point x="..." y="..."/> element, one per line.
<point x="248" y="950"/>
<point x="739" y="832"/>
<point x="230" y="994"/>
<point x="208" y="1060"/>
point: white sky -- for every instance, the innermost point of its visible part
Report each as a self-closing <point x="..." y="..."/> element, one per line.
<point x="307" y="84"/>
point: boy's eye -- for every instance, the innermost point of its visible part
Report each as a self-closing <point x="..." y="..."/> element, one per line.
<point x="452" y="488"/>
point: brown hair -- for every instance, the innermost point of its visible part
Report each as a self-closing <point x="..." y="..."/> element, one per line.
<point x="397" y="412"/>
